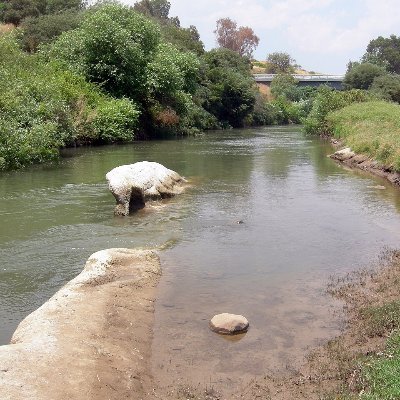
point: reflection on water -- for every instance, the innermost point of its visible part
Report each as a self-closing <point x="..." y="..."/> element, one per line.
<point x="304" y="218"/>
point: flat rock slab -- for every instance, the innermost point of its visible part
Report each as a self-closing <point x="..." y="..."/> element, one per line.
<point x="229" y="324"/>
<point x="92" y="339"/>
<point x="132" y="185"/>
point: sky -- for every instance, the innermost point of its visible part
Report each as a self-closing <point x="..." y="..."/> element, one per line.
<point x="321" y="35"/>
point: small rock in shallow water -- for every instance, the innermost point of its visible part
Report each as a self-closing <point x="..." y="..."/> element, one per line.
<point x="229" y="324"/>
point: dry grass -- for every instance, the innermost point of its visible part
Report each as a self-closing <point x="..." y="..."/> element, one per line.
<point x="5" y="28"/>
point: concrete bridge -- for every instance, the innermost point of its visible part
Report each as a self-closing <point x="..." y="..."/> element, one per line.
<point x="334" y="81"/>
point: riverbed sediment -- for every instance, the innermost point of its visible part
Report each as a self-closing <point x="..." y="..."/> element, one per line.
<point x="92" y="339"/>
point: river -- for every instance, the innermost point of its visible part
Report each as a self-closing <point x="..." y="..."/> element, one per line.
<point x="302" y="219"/>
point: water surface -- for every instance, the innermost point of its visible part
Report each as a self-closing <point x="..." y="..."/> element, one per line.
<point x="304" y="219"/>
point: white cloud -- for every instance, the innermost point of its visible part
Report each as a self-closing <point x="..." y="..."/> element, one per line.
<point x="334" y="30"/>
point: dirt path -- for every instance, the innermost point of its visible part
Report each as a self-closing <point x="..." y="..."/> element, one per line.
<point x="92" y="339"/>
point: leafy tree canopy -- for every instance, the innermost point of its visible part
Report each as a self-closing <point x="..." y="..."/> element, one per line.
<point x="280" y="63"/>
<point x="387" y="87"/>
<point x="384" y="52"/>
<point x="45" y="28"/>
<point x="241" y="40"/>
<point x="14" y="11"/>
<point x="231" y="89"/>
<point x="112" y="47"/>
<point x="361" y="76"/>
<point x="154" y="8"/>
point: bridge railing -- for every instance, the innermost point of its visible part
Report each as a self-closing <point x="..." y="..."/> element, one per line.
<point x="310" y="78"/>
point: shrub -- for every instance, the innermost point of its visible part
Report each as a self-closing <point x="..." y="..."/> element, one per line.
<point x="326" y="101"/>
<point x="44" y="107"/>
<point x="387" y="87"/>
<point x="361" y="76"/>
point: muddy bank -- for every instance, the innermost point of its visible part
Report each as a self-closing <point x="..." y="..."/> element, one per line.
<point x="363" y="162"/>
<point x="92" y="339"/>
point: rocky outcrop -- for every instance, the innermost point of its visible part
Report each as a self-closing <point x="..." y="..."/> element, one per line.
<point x="363" y="162"/>
<point x="92" y="339"/>
<point x="229" y="324"/>
<point x="132" y="185"/>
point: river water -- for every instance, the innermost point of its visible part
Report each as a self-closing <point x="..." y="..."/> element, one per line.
<point x="303" y="218"/>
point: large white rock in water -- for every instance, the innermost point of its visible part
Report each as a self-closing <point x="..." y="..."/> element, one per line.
<point x="133" y="184"/>
<point x="229" y="324"/>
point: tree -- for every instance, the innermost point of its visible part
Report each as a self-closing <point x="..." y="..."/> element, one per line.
<point x="361" y="76"/>
<point x="45" y="28"/>
<point x="231" y="89"/>
<point x="283" y="85"/>
<point x="112" y="47"/>
<point x="183" y="38"/>
<point x="280" y="63"/>
<point x="241" y="40"/>
<point x="14" y="11"/>
<point x="387" y="87"/>
<point x="154" y="8"/>
<point x="384" y="52"/>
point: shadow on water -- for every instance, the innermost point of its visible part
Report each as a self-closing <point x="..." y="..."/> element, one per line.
<point x="304" y="218"/>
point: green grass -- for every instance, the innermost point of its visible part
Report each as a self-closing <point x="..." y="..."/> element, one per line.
<point x="382" y="374"/>
<point x="381" y="319"/>
<point x="371" y="128"/>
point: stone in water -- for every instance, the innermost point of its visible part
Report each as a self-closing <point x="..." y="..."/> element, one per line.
<point x="229" y="324"/>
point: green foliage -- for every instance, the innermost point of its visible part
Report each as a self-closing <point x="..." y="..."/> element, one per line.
<point x="384" y="52"/>
<point x="381" y="374"/>
<point x="43" y="108"/>
<point x="387" y="87"/>
<point x="326" y="101"/>
<point x="283" y="85"/>
<point x="112" y="48"/>
<point x="171" y="70"/>
<point x="371" y="128"/>
<point x="185" y="39"/>
<point x="361" y="76"/>
<point x="14" y="11"/>
<point x="231" y="88"/>
<point x="114" y="121"/>
<point x="158" y="9"/>
<point x="45" y="28"/>
<point x="280" y="63"/>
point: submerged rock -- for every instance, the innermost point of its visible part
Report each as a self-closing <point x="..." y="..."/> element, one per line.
<point x="133" y="184"/>
<point x="229" y="324"/>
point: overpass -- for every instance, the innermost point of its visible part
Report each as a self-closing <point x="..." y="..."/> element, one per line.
<point x="334" y="81"/>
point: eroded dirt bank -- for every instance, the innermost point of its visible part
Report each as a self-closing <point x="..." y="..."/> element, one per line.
<point x="92" y="339"/>
<point x="364" y="163"/>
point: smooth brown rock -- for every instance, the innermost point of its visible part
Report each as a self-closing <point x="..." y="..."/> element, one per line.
<point x="229" y="324"/>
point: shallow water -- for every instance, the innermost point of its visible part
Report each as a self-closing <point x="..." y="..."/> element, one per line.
<point x="304" y="219"/>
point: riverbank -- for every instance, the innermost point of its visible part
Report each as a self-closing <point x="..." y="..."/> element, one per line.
<point x="372" y="131"/>
<point x="92" y="339"/>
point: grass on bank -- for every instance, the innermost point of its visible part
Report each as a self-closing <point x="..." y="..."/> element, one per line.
<point x="374" y="303"/>
<point x="371" y="128"/>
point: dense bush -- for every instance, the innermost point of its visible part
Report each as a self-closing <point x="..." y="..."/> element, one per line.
<point x="328" y="100"/>
<point x="112" y="47"/>
<point x="45" y="28"/>
<point x="43" y="108"/>
<point x="387" y="87"/>
<point x="231" y="89"/>
<point x="361" y="76"/>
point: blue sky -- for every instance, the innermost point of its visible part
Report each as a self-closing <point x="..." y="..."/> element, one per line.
<point x="321" y="35"/>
